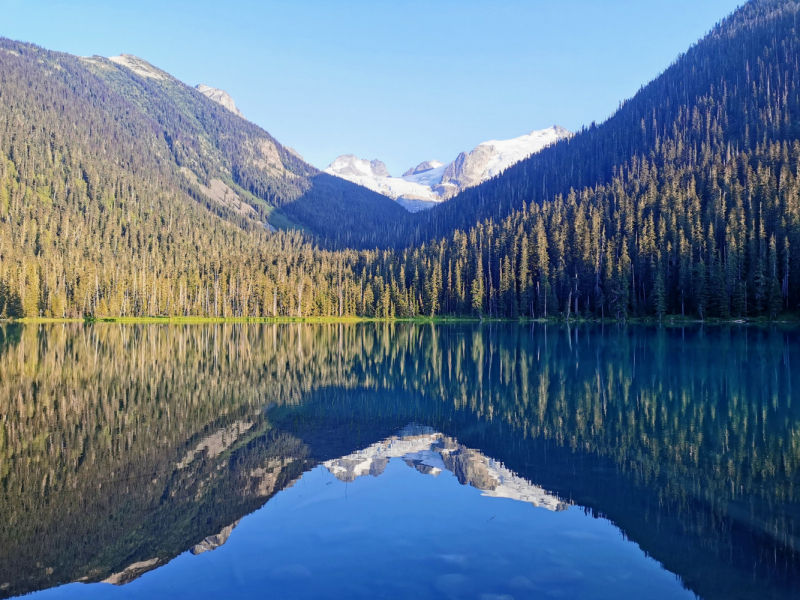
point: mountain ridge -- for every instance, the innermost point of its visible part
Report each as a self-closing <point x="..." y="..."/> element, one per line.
<point x="207" y="137"/>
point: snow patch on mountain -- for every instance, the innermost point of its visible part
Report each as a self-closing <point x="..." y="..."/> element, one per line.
<point x="491" y="158"/>
<point x="375" y="176"/>
<point x="432" y="182"/>
<point x="221" y="97"/>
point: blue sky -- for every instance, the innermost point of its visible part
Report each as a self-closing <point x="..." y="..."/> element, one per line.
<point x="403" y="81"/>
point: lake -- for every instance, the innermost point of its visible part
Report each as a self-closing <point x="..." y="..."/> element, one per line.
<point x="399" y="460"/>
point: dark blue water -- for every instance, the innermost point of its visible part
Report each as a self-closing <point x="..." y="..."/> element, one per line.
<point x="402" y="461"/>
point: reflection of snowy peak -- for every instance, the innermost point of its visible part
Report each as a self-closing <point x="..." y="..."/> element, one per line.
<point x="431" y="182"/>
<point x="373" y="460"/>
<point x="430" y="453"/>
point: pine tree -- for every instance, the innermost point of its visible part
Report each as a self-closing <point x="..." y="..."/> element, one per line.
<point x="478" y="291"/>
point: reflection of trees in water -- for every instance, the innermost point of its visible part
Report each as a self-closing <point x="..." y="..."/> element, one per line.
<point x="98" y="419"/>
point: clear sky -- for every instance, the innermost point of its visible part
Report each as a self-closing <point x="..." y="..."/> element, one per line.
<point x="401" y="80"/>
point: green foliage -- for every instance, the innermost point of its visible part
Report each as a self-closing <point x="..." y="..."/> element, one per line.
<point x="686" y="201"/>
<point x="693" y="178"/>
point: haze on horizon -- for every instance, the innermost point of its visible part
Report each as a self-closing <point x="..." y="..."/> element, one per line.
<point x="402" y="82"/>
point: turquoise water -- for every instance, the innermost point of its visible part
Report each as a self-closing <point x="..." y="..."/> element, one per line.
<point x="398" y="461"/>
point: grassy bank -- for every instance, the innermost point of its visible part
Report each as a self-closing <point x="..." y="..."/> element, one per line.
<point x="667" y="320"/>
<point x="205" y="320"/>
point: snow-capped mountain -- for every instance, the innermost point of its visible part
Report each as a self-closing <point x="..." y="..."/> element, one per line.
<point x="374" y="175"/>
<point x="431" y="182"/>
<point x="492" y="158"/>
<point x="431" y="453"/>
<point x="221" y="97"/>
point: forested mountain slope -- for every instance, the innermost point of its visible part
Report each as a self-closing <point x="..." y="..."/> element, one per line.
<point x="732" y="92"/>
<point x="212" y="142"/>
<point x="97" y="218"/>
<point x="685" y="201"/>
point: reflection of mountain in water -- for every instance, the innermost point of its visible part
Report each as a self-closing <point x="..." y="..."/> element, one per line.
<point x="430" y="453"/>
<point x="133" y="571"/>
<point x="422" y="448"/>
<point x="212" y="542"/>
<point x="125" y="445"/>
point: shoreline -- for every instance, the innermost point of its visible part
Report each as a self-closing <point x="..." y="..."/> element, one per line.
<point x="669" y="321"/>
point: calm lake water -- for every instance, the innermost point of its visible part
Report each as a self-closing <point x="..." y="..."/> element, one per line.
<point x="399" y="461"/>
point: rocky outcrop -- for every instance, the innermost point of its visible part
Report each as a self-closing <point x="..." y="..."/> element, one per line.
<point x="133" y="571"/>
<point x="212" y="542"/>
<point x="219" y="192"/>
<point x="221" y="97"/>
<point x="138" y="66"/>
<point x="423" y="167"/>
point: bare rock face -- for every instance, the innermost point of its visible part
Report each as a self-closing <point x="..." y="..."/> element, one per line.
<point x="221" y="97"/>
<point x="454" y="172"/>
<point x="139" y="66"/>
<point x="379" y="169"/>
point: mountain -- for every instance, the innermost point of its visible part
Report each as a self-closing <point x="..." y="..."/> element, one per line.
<point x="709" y="79"/>
<point x="374" y="176"/>
<point x="208" y="138"/>
<point x="685" y="202"/>
<point x="432" y="182"/>
<point x="490" y="159"/>
<point x="221" y="97"/>
<point x="124" y="192"/>
<point x="110" y="168"/>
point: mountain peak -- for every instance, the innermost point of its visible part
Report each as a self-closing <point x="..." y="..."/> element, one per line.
<point x="351" y="165"/>
<point x="423" y="167"/>
<point x="137" y="65"/>
<point x="221" y="97"/>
